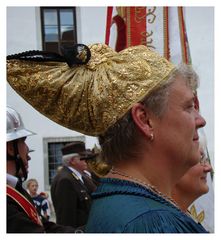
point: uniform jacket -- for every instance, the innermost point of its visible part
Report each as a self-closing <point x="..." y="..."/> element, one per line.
<point x="71" y="199"/>
<point x="19" y="222"/>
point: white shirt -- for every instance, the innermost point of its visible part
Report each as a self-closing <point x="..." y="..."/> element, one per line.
<point x="87" y="173"/>
<point x="11" y="180"/>
<point x="76" y="173"/>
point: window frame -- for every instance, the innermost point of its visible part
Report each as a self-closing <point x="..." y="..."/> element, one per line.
<point x="75" y="39"/>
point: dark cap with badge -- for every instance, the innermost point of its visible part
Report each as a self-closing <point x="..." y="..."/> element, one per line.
<point x="78" y="147"/>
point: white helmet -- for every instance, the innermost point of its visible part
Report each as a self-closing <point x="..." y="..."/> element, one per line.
<point x="15" y="126"/>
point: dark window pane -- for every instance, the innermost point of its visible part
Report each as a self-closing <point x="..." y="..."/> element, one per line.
<point x="54" y="158"/>
<point x="51" y="34"/>
<point x="66" y="17"/>
<point x="67" y="44"/>
<point x="50" y="17"/>
<point x="67" y="33"/>
<point x="51" y="46"/>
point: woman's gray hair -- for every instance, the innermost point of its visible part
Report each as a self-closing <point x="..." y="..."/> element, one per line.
<point x="121" y="141"/>
<point x="157" y="100"/>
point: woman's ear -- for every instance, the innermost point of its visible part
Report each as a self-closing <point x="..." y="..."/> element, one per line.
<point x="142" y="119"/>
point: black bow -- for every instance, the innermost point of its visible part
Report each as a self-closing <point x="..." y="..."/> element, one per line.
<point x="78" y="54"/>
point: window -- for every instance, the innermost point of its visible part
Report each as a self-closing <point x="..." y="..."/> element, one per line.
<point x="58" y="27"/>
<point x="53" y="155"/>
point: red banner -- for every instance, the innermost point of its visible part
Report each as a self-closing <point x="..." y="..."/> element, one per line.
<point x="136" y="26"/>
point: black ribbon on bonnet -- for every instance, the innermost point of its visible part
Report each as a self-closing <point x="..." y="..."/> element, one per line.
<point x="79" y="54"/>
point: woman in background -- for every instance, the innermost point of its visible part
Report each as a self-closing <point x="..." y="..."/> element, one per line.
<point x="193" y="184"/>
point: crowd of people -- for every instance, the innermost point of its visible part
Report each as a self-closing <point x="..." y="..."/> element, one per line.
<point x="142" y="109"/>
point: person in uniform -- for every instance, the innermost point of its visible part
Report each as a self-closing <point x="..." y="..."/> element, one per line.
<point x="71" y="187"/>
<point x="22" y="216"/>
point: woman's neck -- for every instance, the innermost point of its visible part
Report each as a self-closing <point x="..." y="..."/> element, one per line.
<point x="183" y="199"/>
<point x="144" y="176"/>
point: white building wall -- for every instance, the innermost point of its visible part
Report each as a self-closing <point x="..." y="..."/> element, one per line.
<point x="200" y="26"/>
<point x="24" y="33"/>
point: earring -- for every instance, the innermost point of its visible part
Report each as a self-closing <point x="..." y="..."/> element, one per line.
<point x="151" y="137"/>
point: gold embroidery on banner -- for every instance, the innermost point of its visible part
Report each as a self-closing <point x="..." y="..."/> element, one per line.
<point x="138" y="14"/>
<point x="151" y="17"/>
<point x="198" y="217"/>
<point x="125" y="13"/>
<point x="128" y="28"/>
<point x="151" y="40"/>
<point x="145" y="40"/>
<point x="201" y="216"/>
<point x="166" y="33"/>
<point x="150" y="13"/>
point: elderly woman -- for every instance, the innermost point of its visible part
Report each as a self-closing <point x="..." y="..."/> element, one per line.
<point x="193" y="184"/>
<point x="142" y="109"/>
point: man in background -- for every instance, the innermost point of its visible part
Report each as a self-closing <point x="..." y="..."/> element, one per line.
<point x="71" y="187"/>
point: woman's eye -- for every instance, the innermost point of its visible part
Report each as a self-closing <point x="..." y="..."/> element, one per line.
<point x="190" y="107"/>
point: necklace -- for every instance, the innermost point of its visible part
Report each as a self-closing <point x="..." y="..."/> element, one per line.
<point x="147" y="185"/>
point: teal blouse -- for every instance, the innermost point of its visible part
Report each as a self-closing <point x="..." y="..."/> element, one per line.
<point x="121" y="206"/>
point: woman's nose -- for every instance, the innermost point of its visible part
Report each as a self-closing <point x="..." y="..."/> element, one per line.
<point x="207" y="167"/>
<point x="200" y="121"/>
<point x="28" y="158"/>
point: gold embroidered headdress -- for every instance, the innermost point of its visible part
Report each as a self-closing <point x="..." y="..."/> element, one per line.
<point x="89" y="98"/>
